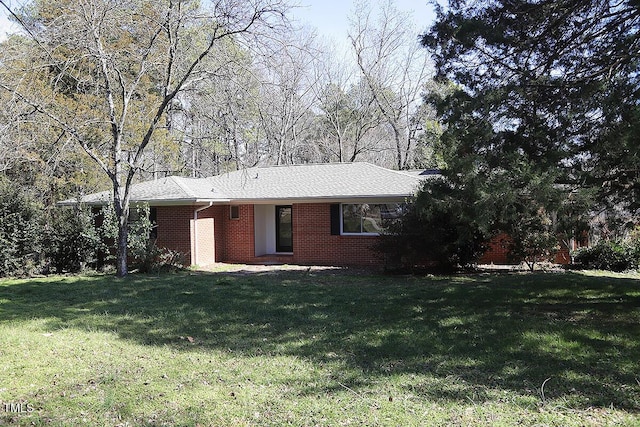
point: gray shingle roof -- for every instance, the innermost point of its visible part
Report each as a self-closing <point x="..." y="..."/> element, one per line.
<point x="298" y="182"/>
<point x="171" y="189"/>
<point x="333" y="180"/>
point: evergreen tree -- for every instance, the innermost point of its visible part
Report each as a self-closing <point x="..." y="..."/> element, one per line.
<point x="20" y="231"/>
<point x="547" y="104"/>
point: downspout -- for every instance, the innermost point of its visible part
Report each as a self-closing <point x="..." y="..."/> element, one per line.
<point x="195" y="231"/>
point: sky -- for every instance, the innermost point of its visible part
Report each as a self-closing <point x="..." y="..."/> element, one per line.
<point x="329" y="17"/>
<point x="5" y="25"/>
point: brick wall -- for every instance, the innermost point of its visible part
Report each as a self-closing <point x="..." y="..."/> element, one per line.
<point x="314" y="244"/>
<point x="234" y="238"/>
<point x="174" y="228"/>
<point x="239" y="236"/>
<point x="498" y="252"/>
<point x="562" y="256"/>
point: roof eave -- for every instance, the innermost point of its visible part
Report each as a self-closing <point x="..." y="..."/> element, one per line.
<point x="150" y="202"/>
<point x="324" y="199"/>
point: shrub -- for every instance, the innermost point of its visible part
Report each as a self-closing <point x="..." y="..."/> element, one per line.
<point x="144" y="255"/>
<point x="71" y="240"/>
<point x="608" y="255"/>
<point x="439" y="230"/>
<point x="533" y="239"/>
<point x="141" y="247"/>
<point x="155" y="259"/>
<point x="139" y="232"/>
<point x="33" y="241"/>
<point x="21" y="222"/>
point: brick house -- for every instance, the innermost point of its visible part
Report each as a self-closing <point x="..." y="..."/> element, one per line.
<point x="315" y="214"/>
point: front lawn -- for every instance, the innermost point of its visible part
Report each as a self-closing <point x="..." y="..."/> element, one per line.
<point x="307" y="348"/>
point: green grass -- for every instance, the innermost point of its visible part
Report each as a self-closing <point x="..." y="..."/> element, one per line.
<point x="321" y="348"/>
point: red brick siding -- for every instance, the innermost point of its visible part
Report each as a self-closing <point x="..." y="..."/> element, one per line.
<point x="239" y="236"/>
<point x="314" y="244"/>
<point x="562" y="256"/>
<point x="174" y="228"/>
<point x="498" y="252"/>
<point x="234" y="238"/>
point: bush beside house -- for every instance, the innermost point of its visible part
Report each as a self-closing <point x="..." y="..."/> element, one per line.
<point x="21" y="221"/>
<point x="452" y="226"/>
<point x="612" y="255"/>
<point x="437" y="231"/>
<point x="35" y="240"/>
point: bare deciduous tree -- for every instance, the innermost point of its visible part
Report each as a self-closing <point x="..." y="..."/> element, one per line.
<point x="286" y="98"/>
<point x="395" y="68"/>
<point x="347" y="114"/>
<point x="104" y="72"/>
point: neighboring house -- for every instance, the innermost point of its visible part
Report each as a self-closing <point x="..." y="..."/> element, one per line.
<point x="315" y="214"/>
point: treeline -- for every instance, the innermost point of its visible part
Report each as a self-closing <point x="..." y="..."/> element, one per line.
<point x="270" y="95"/>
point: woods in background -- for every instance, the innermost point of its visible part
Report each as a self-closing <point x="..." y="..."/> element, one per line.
<point x="266" y="93"/>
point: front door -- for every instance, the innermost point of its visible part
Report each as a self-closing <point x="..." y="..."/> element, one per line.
<point x="284" y="229"/>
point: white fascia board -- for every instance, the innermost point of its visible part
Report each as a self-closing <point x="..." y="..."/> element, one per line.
<point x="332" y="199"/>
<point x="150" y="202"/>
<point x="183" y="202"/>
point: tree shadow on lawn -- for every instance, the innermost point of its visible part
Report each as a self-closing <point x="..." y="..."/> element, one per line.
<point x="459" y="338"/>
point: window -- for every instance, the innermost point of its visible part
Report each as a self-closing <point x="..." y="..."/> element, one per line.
<point x="368" y="218"/>
<point x="234" y="212"/>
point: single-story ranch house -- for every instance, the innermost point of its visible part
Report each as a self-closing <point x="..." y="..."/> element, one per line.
<point x="313" y="214"/>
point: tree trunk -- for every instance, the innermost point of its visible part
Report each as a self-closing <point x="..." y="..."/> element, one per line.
<point x="397" y="137"/>
<point x="122" y="216"/>
<point x="121" y="251"/>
